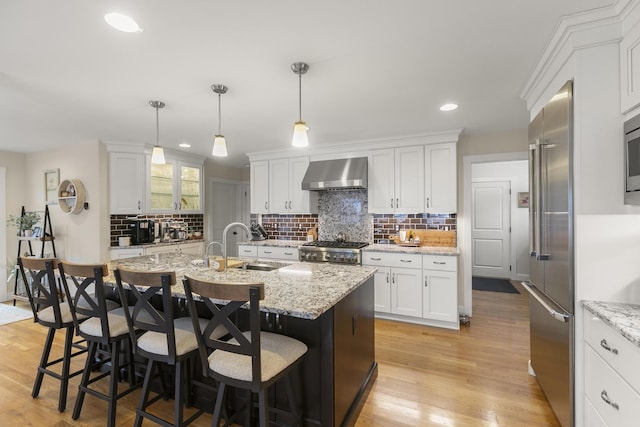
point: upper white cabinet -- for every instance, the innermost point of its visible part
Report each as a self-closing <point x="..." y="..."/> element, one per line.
<point x="440" y="178"/>
<point x="285" y="187"/>
<point x="260" y="187"/>
<point x="175" y="186"/>
<point x="126" y="183"/>
<point x="276" y="187"/>
<point x="396" y="180"/>
<point x="630" y="70"/>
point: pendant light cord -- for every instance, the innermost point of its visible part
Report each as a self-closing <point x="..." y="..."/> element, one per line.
<point x="300" y="96"/>
<point x="219" y="114"/>
<point x="157" y="128"/>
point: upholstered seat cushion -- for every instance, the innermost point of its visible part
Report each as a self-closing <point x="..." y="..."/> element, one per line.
<point x="47" y="314"/>
<point x="156" y="343"/>
<point x="117" y="324"/>
<point x="277" y="352"/>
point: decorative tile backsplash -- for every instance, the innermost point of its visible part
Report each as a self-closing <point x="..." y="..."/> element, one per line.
<point x="347" y="212"/>
<point x="120" y="225"/>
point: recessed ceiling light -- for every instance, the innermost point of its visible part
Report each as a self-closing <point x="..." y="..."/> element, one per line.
<point x="122" y="22"/>
<point x="184" y="145"/>
<point x="448" y="107"/>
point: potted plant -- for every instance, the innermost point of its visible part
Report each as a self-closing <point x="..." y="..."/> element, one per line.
<point x="24" y="223"/>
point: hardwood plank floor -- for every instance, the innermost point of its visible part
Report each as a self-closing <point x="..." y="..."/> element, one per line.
<point x="426" y="377"/>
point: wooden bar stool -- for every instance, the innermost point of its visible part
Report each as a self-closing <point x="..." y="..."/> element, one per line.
<point x="163" y="339"/>
<point x="53" y="314"/>
<point x="105" y="326"/>
<point x="251" y="360"/>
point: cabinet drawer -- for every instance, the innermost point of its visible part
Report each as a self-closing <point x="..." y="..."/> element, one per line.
<point x="247" y="251"/>
<point x="616" y="402"/>
<point x="277" y="252"/>
<point x="438" y="262"/>
<point x="385" y="259"/>
<point x="622" y="355"/>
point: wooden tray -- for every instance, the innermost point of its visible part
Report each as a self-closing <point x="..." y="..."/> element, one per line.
<point x="408" y="244"/>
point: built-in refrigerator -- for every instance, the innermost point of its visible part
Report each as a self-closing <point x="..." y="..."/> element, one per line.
<point x="551" y="284"/>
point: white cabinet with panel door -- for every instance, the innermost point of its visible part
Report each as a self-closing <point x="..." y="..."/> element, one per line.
<point x="122" y="253"/>
<point x="174" y="187"/>
<point x="440" y="175"/>
<point x="278" y="252"/>
<point x="440" y="293"/>
<point x="396" y="180"/>
<point x="259" y="180"/>
<point x="247" y="251"/>
<point x="285" y="187"/>
<point x="126" y="183"/>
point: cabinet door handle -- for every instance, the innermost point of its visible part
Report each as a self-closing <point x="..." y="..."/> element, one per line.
<point x="391" y="203"/>
<point x="265" y="205"/>
<point x="376" y="259"/>
<point x="139" y="205"/>
<point x="426" y="281"/>
<point x="285" y="205"/>
<point x="439" y="262"/>
<point x="605" y="345"/>
<point x="267" y="252"/>
<point x="428" y="203"/>
<point x="288" y="253"/>
<point x="393" y="277"/>
<point x="604" y="396"/>
<point x="397" y="203"/>
<point x="289" y="204"/>
<point x="405" y="260"/>
<point x="387" y="277"/>
<point x="247" y="251"/>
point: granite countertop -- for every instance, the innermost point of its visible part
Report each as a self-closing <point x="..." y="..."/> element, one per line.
<point x="275" y="242"/>
<point x="424" y="250"/>
<point x="304" y="290"/>
<point x="624" y="318"/>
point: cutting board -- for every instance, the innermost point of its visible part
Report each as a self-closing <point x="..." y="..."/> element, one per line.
<point x="217" y="263"/>
<point x="431" y="238"/>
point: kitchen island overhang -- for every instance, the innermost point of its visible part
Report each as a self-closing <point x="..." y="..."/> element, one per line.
<point x="328" y="307"/>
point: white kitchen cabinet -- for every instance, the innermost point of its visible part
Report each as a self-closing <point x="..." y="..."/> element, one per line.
<point x="611" y="376"/>
<point x="286" y="195"/>
<point x="174" y="187"/>
<point x="126" y="183"/>
<point x="259" y="187"/>
<point x="440" y="176"/>
<point x="278" y="252"/>
<point x="163" y="249"/>
<point x="194" y="248"/>
<point x="247" y="251"/>
<point x="122" y="253"/>
<point x="630" y="70"/>
<point x="396" y="180"/>
<point x="398" y="282"/>
<point x="440" y="293"/>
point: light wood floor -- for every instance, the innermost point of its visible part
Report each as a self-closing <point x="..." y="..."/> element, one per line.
<point x="426" y="377"/>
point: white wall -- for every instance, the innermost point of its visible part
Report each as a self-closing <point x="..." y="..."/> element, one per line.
<point x="518" y="173"/>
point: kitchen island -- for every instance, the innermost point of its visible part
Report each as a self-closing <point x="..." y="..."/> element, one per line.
<point x="328" y="307"/>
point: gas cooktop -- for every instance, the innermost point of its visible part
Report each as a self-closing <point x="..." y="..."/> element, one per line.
<point x="338" y="244"/>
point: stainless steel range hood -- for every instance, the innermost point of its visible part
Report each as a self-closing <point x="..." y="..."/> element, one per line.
<point x="341" y="174"/>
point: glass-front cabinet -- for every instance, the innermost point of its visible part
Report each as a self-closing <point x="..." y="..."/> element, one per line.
<point x="174" y="187"/>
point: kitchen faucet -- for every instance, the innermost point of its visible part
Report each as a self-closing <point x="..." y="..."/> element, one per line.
<point x="224" y="238"/>
<point x="206" y="252"/>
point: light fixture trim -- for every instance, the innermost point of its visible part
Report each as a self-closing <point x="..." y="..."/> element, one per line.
<point x="122" y="22"/>
<point x="219" y="142"/>
<point x="184" y="145"/>
<point x="449" y="107"/>
<point x="300" y="128"/>
<point x="157" y="155"/>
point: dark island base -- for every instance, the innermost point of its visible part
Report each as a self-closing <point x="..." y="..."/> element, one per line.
<point x="335" y="377"/>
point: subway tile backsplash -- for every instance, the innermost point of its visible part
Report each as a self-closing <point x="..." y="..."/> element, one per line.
<point x="120" y="224"/>
<point x="347" y="212"/>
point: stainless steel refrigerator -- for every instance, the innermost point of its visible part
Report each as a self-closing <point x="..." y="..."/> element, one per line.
<point x="551" y="285"/>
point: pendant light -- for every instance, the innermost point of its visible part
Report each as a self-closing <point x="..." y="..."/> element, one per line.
<point x="157" y="156"/>
<point x="219" y="144"/>
<point x="300" y="128"/>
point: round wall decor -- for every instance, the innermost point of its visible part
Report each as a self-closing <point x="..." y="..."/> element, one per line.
<point x="71" y="196"/>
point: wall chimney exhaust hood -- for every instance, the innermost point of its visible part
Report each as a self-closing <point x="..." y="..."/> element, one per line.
<point x="341" y="174"/>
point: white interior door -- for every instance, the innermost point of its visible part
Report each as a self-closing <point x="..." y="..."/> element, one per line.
<point x="491" y="228"/>
<point x="225" y="210"/>
<point x="4" y="293"/>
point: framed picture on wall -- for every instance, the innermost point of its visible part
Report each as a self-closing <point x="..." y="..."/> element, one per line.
<point x="51" y="182"/>
<point x="523" y="199"/>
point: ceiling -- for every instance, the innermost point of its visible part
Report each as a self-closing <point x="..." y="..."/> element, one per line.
<point x="378" y="69"/>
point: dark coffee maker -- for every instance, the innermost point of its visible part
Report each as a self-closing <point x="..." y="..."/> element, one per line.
<point x="142" y="231"/>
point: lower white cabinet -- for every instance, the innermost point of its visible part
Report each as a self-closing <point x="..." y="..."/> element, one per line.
<point x="278" y="252"/>
<point x="125" y="253"/>
<point x="247" y="251"/>
<point x="612" y="378"/>
<point x="440" y="293"/>
<point x="195" y="248"/>
<point x="415" y="288"/>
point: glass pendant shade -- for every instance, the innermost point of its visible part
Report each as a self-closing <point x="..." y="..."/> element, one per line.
<point x="157" y="156"/>
<point x="300" y="138"/>
<point x="219" y="146"/>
